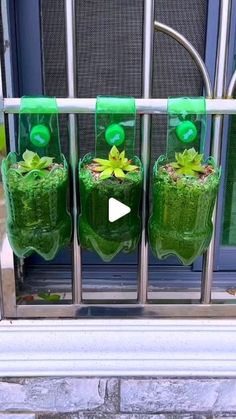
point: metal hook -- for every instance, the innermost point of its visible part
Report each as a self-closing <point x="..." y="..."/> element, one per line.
<point x="160" y="27"/>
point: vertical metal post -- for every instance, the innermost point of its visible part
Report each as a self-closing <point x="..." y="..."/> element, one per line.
<point x="7" y="274"/>
<point x="148" y="32"/>
<point x="2" y="203"/>
<point x="231" y="87"/>
<point x="71" y="80"/>
<point x="8" y="68"/>
<point x="219" y="92"/>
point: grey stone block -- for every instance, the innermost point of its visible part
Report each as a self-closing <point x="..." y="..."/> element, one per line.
<point x="178" y="395"/>
<point x="11" y="393"/>
<point x="82" y="415"/>
<point x="59" y="394"/>
<point x="17" y="416"/>
<point x="224" y="416"/>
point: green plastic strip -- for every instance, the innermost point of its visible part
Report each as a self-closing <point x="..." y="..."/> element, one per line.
<point x="38" y="104"/>
<point x="115" y="125"/>
<point x="186" y="124"/>
<point x="39" y="127"/>
<point x="3" y="147"/>
<point x="189" y="105"/>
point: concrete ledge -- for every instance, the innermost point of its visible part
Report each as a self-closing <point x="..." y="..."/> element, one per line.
<point x="118" y="348"/>
<point x="17" y="416"/>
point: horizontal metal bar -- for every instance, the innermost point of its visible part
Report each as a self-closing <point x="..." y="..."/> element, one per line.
<point x="127" y="310"/>
<point x="143" y="106"/>
<point x="120" y="296"/>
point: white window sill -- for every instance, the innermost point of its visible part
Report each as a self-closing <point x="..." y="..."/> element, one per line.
<point x="118" y="347"/>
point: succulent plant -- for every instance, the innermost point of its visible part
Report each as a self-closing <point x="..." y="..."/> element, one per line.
<point x="32" y="161"/>
<point x="54" y="298"/>
<point x="116" y="165"/>
<point x="188" y="163"/>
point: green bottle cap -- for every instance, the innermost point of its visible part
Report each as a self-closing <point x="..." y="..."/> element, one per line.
<point x="186" y="131"/>
<point x="40" y="135"/>
<point x="115" y="134"/>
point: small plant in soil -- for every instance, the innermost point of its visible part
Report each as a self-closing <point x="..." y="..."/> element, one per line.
<point x="184" y="196"/>
<point x="188" y="164"/>
<point x="32" y="161"/>
<point x="51" y="298"/>
<point x="117" y="165"/>
<point x="36" y="194"/>
<point x="101" y="179"/>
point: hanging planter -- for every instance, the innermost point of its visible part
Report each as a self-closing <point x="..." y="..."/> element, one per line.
<point x="184" y="194"/>
<point x="184" y="190"/>
<point x="101" y="179"/>
<point x="97" y="186"/>
<point x="36" y="184"/>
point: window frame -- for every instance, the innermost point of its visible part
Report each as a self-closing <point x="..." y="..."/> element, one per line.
<point x="150" y="347"/>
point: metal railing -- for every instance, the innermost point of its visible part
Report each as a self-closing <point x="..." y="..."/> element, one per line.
<point x="216" y="105"/>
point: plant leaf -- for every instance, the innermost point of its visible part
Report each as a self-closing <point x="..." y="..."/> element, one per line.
<point x="102" y="162"/>
<point x="23" y="169"/>
<point x="114" y="154"/>
<point x="119" y="173"/>
<point x="130" y="167"/>
<point x="198" y="159"/>
<point x="32" y="161"/>
<point x="26" y="166"/>
<point x="117" y="164"/>
<point x="123" y="159"/>
<point x="49" y="297"/>
<point x="54" y="297"/>
<point x="197" y="168"/>
<point x="99" y="168"/>
<point x="35" y="160"/>
<point x="106" y="173"/>
<point x="188" y="162"/>
<point x="45" y="162"/>
<point x="104" y="177"/>
<point x="122" y="155"/>
<point x="186" y="171"/>
<point x="175" y="165"/>
<point x="28" y="155"/>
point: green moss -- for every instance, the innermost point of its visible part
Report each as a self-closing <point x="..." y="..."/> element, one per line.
<point x="181" y="223"/>
<point x="95" y="230"/>
<point x="38" y="220"/>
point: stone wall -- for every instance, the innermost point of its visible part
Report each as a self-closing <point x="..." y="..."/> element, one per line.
<point x="118" y="398"/>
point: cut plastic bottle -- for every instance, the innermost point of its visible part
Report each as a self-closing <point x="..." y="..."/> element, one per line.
<point x="184" y="186"/>
<point x="103" y="176"/>
<point x="38" y="219"/>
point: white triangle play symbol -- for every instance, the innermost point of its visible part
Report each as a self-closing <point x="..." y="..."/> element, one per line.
<point x="117" y="210"/>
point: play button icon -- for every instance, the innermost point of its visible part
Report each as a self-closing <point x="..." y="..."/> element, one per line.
<point x="117" y="210"/>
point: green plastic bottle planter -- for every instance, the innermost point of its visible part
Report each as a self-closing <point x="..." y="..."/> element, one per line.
<point x="111" y="175"/>
<point x="184" y="193"/>
<point x="36" y="183"/>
